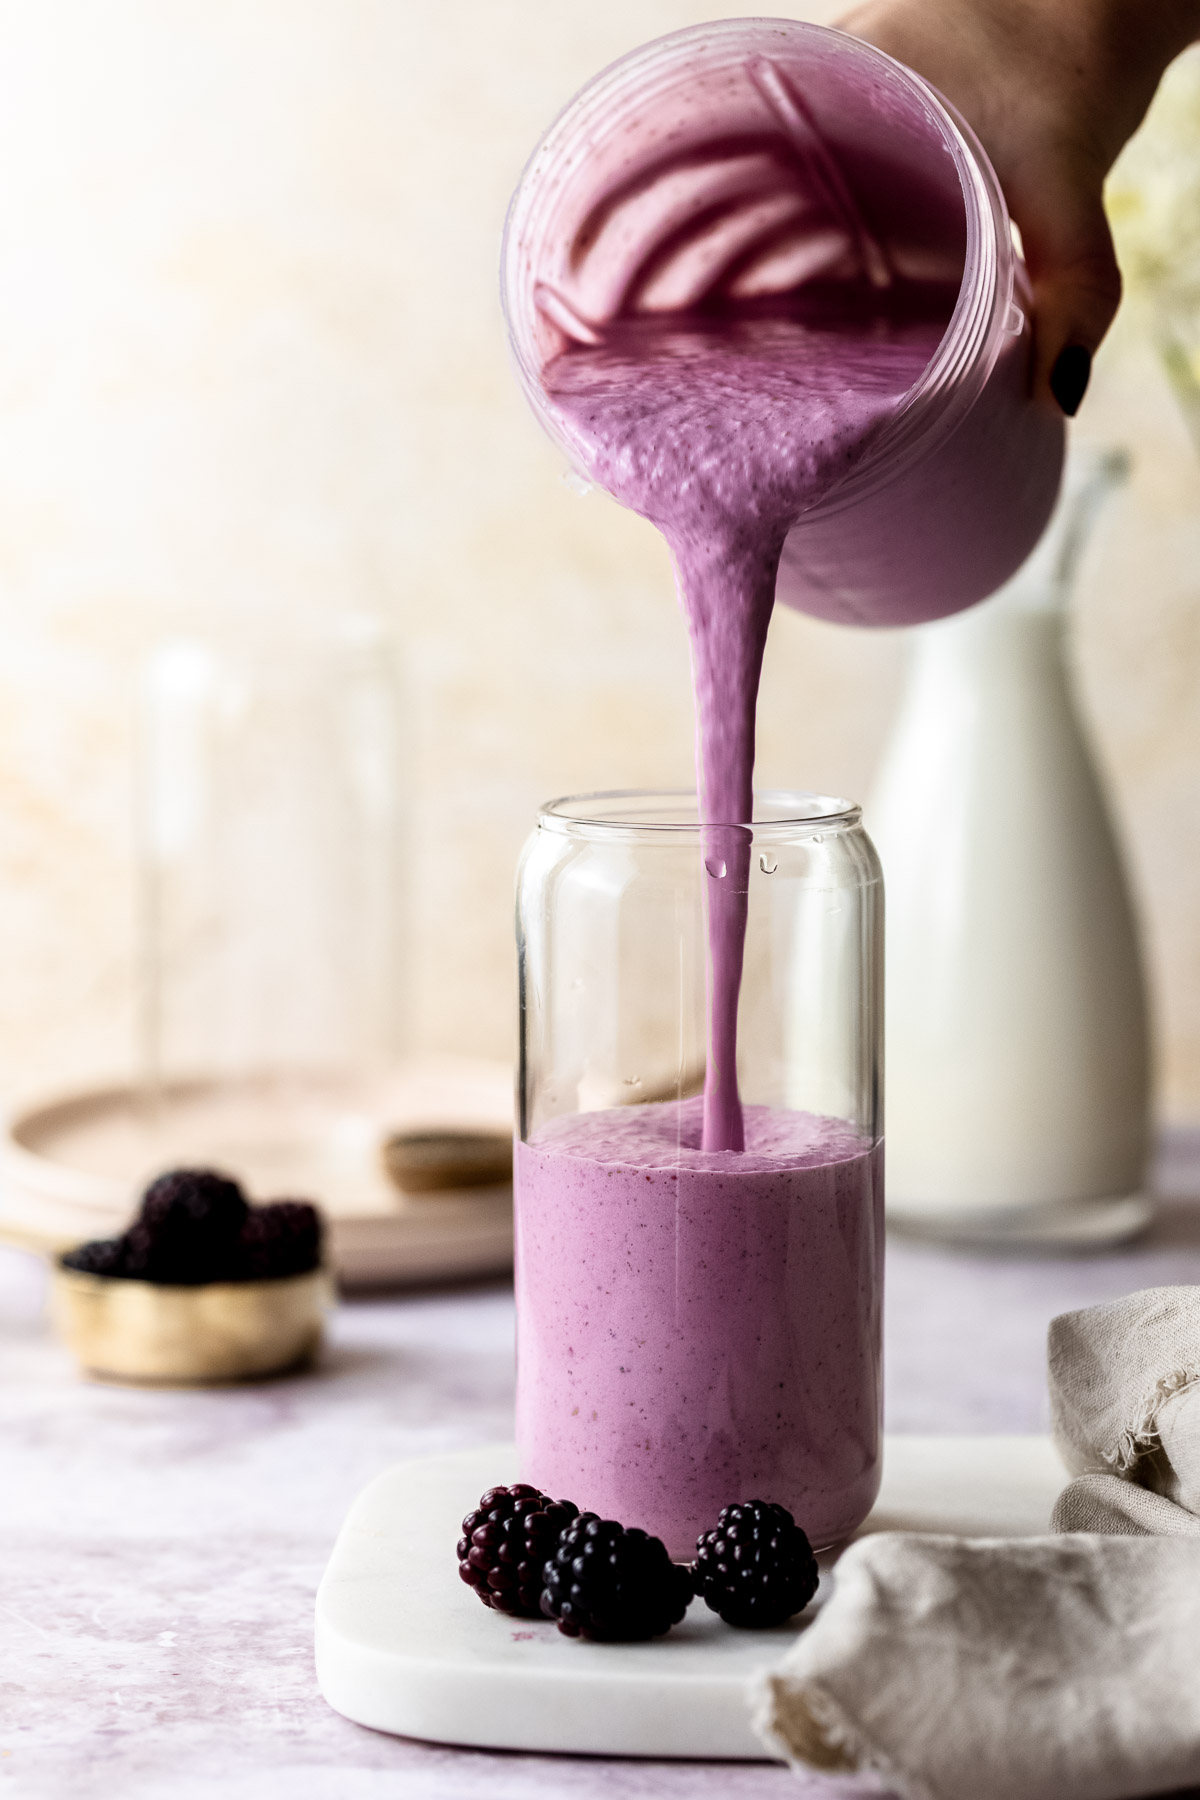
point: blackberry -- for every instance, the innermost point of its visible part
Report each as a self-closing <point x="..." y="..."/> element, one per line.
<point x="131" y="1257"/>
<point x="195" y="1226"/>
<point x="506" y="1544"/>
<point x="613" y="1585"/>
<point x="281" y="1239"/>
<point x="102" y="1256"/>
<point x="196" y="1197"/>
<point x="756" y="1568"/>
<point x="138" y="1253"/>
<point x="188" y="1229"/>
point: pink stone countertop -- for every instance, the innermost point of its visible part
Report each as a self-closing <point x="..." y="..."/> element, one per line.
<point x="160" y="1550"/>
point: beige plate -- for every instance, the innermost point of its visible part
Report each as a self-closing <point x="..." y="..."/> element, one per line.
<point x="71" y="1166"/>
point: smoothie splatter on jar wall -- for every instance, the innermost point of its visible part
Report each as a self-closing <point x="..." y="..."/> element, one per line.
<point x="761" y="287"/>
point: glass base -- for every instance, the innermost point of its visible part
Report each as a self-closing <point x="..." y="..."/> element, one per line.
<point x="1075" y="1225"/>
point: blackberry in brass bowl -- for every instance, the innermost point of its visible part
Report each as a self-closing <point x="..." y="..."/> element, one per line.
<point x="202" y="1287"/>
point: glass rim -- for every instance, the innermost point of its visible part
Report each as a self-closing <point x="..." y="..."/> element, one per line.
<point x="794" y="812"/>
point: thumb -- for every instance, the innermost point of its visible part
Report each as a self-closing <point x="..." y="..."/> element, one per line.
<point x="1076" y="290"/>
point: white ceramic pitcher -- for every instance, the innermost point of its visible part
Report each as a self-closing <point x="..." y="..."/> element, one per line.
<point x="1018" y="1073"/>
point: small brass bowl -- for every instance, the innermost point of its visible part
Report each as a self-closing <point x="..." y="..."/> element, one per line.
<point x="141" y="1331"/>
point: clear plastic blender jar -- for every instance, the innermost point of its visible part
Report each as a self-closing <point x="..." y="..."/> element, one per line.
<point x="744" y="160"/>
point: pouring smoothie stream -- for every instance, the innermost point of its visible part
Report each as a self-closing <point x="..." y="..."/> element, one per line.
<point x="721" y="429"/>
<point x="761" y="287"/>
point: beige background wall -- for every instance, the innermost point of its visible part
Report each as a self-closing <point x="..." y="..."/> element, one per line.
<point x="251" y="364"/>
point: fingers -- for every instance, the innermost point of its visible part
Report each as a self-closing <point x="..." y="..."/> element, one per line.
<point x="1076" y="286"/>
<point x="1051" y="117"/>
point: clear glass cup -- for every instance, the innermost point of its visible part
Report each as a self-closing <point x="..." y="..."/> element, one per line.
<point x="273" y="789"/>
<point x="698" y="1328"/>
<point x="955" y="489"/>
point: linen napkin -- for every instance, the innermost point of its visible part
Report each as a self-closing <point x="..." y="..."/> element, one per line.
<point x="1125" y="1404"/>
<point x="1064" y="1667"/>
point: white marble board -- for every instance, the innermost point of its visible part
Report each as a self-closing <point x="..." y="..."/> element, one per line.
<point x="404" y="1646"/>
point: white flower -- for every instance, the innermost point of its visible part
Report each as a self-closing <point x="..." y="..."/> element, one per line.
<point x="1153" y="193"/>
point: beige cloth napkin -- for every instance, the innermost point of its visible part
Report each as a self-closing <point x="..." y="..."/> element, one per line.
<point x="1125" y="1402"/>
<point x="1064" y="1667"/>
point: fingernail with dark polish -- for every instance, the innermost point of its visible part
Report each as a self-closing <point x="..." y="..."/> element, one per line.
<point x="1070" y="376"/>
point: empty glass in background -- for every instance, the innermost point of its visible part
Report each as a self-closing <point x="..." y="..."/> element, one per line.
<point x="271" y="802"/>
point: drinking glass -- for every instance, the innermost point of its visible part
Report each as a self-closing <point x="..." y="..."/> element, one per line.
<point x="693" y="1327"/>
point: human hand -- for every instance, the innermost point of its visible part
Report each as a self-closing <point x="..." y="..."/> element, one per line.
<point x="1053" y="88"/>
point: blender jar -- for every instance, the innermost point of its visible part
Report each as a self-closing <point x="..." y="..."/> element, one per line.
<point x="737" y="163"/>
<point x="696" y="1328"/>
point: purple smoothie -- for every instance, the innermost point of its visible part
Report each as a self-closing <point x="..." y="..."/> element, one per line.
<point x="696" y="1327"/>
<point x="721" y="430"/>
